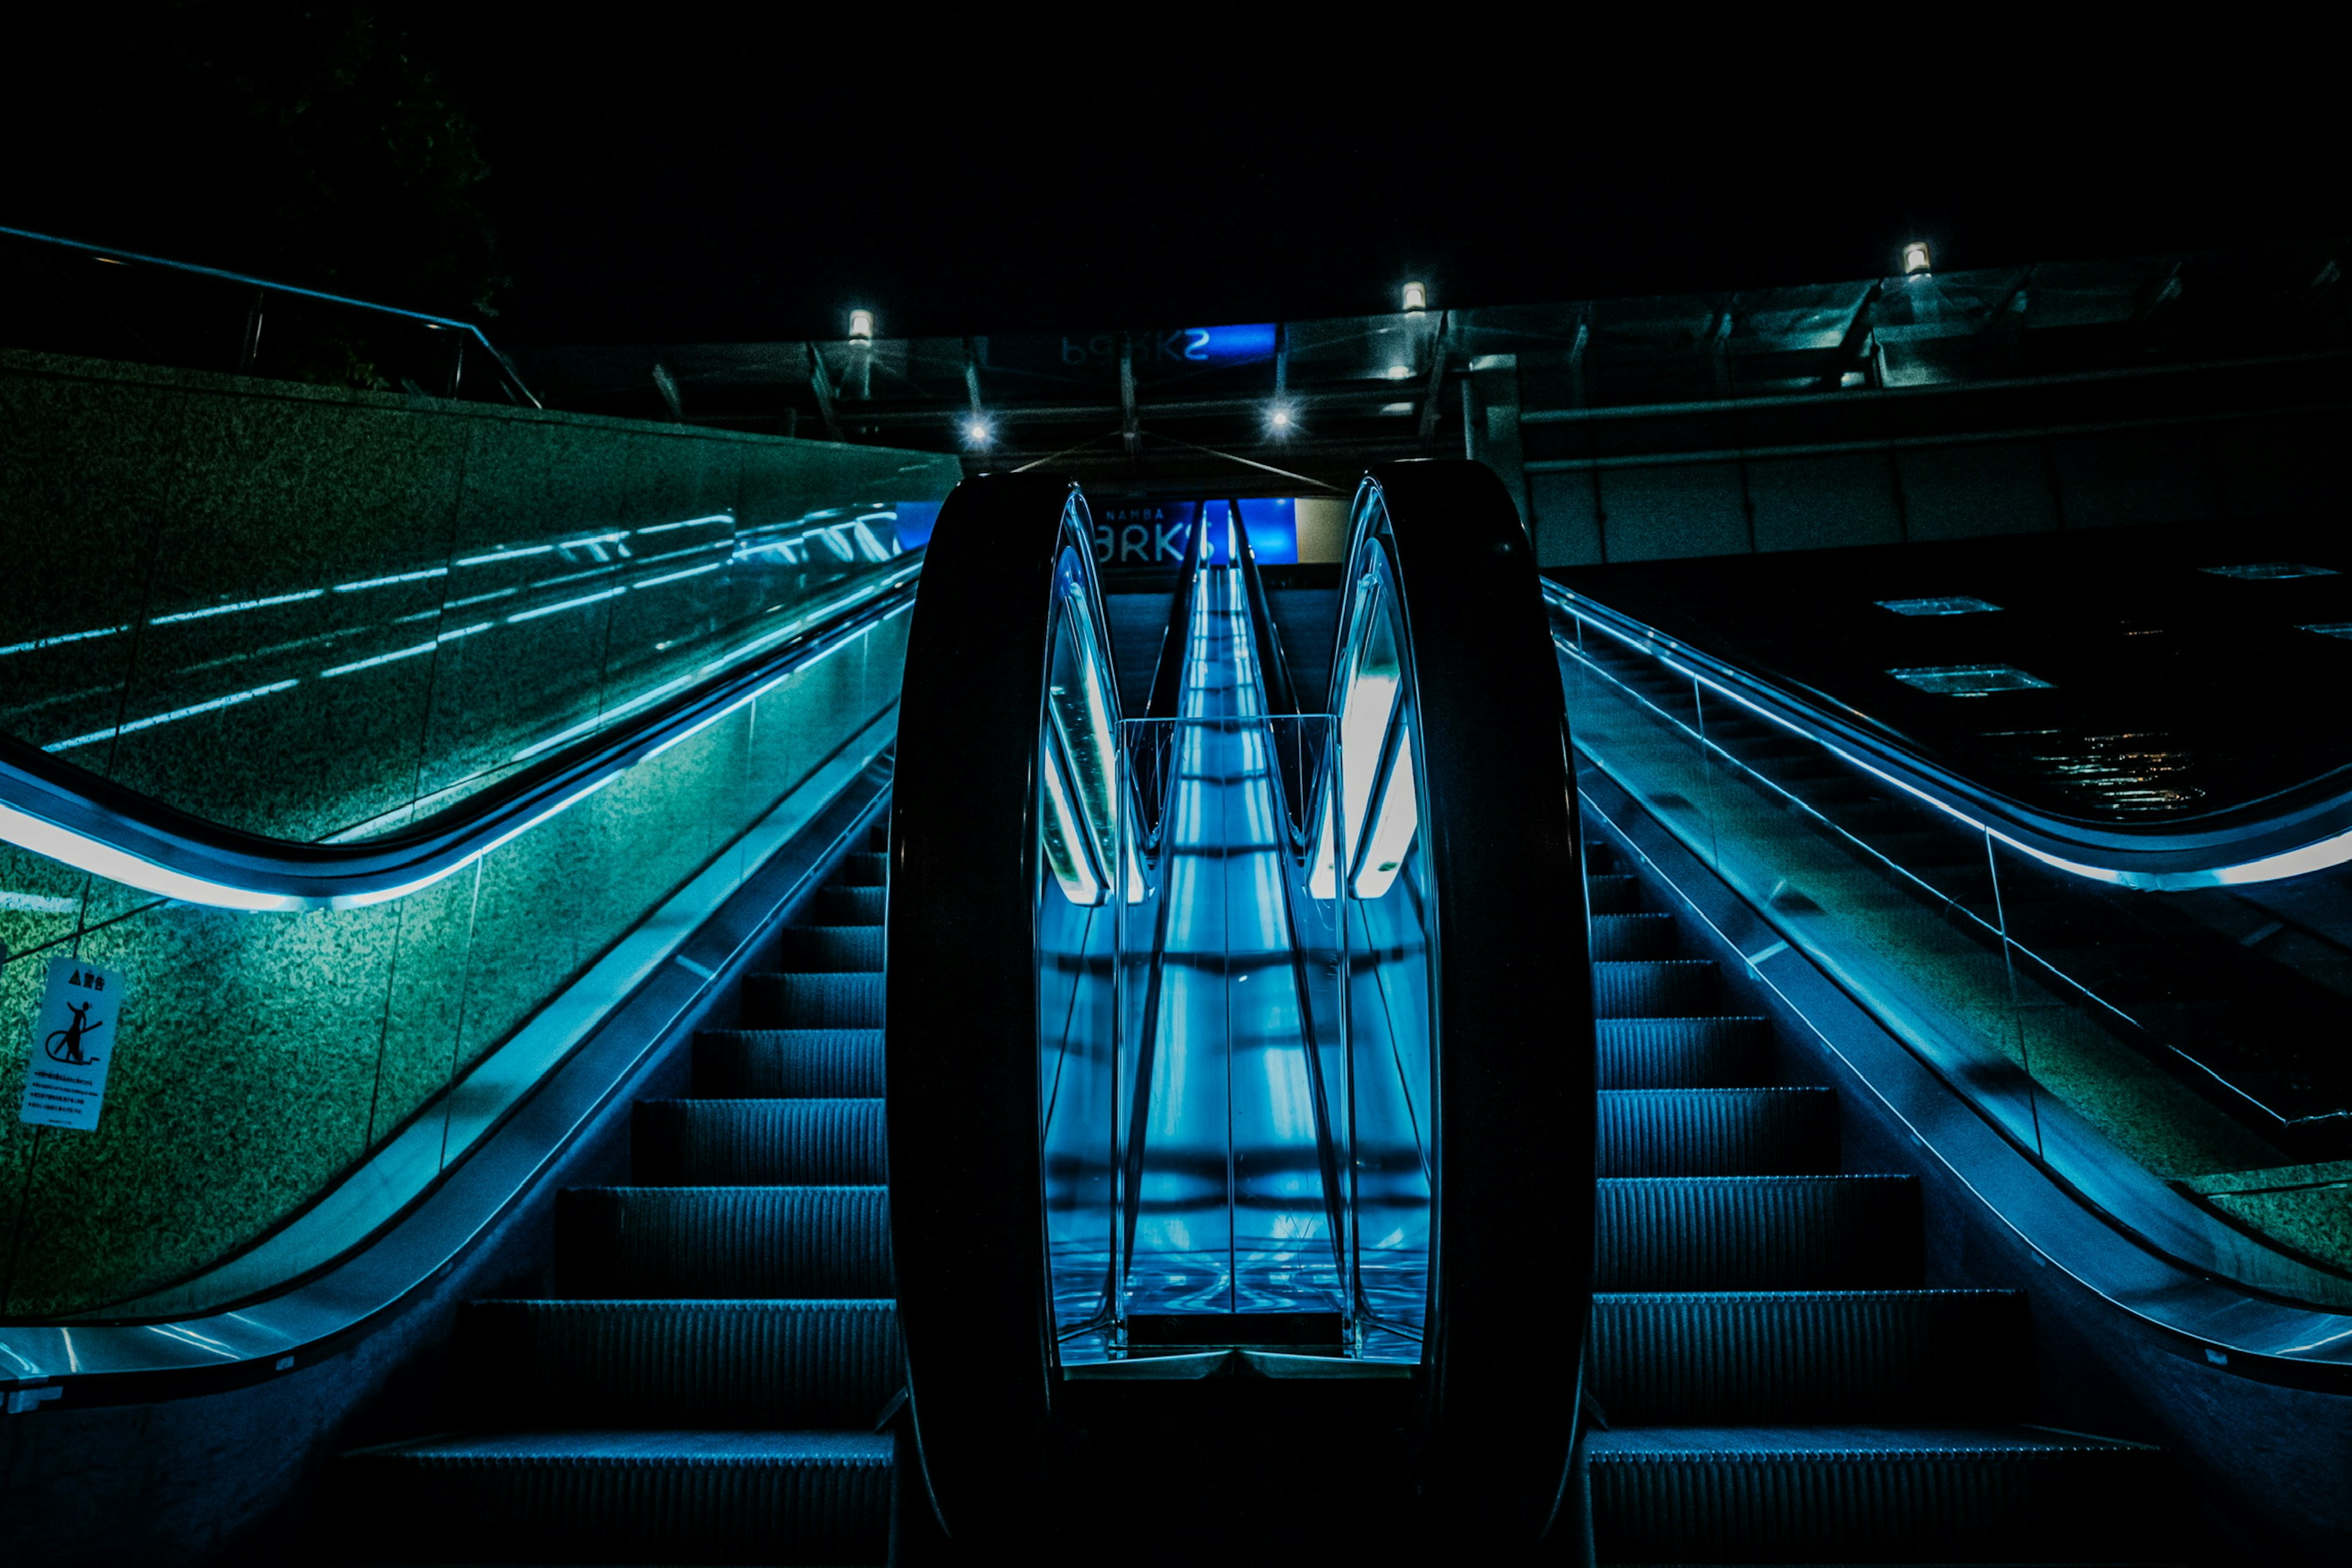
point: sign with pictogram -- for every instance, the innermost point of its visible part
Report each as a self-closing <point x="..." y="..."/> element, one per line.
<point x="73" y="1040"/>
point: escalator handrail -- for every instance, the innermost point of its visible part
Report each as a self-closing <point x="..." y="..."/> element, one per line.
<point x="968" y="1222"/>
<point x="2287" y="834"/>
<point x="1513" y="1130"/>
<point x="62" y="811"/>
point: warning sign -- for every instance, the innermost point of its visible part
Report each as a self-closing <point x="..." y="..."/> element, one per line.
<point x="73" y="1041"/>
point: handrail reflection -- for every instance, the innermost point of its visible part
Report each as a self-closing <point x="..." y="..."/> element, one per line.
<point x="55" y="808"/>
<point x="2296" y="839"/>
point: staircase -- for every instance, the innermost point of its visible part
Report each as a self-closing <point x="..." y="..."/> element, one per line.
<point x="1777" y="1385"/>
<point x="708" y="1386"/>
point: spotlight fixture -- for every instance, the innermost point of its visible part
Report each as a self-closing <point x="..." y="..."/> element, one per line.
<point x="861" y="324"/>
<point x="1416" y="298"/>
<point x="1915" y="259"/>
<point x="1278" y="420"/>
<point x="976" y="431"/>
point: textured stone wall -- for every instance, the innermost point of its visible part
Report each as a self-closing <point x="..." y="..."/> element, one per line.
<point x="310" y="613"/>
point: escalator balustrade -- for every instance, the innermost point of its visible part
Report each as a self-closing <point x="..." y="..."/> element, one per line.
<point x="1211" y="1032"/>
<point x="1778" y="1383"/>
<point x="708" y="1383"/>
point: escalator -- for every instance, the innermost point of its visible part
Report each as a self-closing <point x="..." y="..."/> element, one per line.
<point x="1768" y="1377"/>
<point x="1203" y="1068"/>
<point x="1778" y="1383"/>
<point x="1243" y="1250"/>
<point x="717" y="1378"/>
<point x="706" y="1385"/>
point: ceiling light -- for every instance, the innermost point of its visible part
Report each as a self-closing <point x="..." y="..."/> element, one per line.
<point x="1915" y="258"/>
<point x="1279" y="418"/>
<point x="1416" y="297"/>
<point x="1971" y="679"/>
<point x="976" y="432"/>
<point x="1957" y="604"/>
<point x="861" y="323"/>
<point x="2268" y="571"/>
<point x="1399" y="371"/>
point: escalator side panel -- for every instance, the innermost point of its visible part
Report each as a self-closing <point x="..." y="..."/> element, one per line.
<point x="1513" y="1128"/>
<point x="962" y="1012"/>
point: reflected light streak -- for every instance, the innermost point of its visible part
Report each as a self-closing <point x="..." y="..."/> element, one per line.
<point x="231" y="700"/>
<point x="210" y="611"/>
<point x="497" y="555"/>
<point x="678" y="576"/>
<point x="713" y="520"/>
<point x="394" y="658"/>
<point x="388" y="581"/>
<point x="39" y="643"/>
<point x="567" y="605"/>
<point x="1392" y="829"/>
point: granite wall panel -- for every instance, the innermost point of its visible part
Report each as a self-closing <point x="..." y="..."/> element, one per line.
<point x="305" y="611"/>
<point x="1670" y="509"/>
<point x="1969" y="489"/>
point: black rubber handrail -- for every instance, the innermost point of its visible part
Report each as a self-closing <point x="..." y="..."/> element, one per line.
<point x="2296" y="830"/>
<point x="52" y="806"/>
<point x="961" y="1058"/>
<point x="1512" y="1118"/>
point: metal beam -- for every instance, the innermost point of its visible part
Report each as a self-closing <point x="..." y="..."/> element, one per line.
<point x="822" y="382"/>
<point x="1854" y="346"/>
<point x="1130" y="426"/>
<point x="1437" y="383"/>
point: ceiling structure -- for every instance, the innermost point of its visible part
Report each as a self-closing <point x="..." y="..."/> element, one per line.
<point x="1299" y="407"/>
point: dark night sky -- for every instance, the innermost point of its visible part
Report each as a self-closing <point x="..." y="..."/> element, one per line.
<point x="698" y="182"/>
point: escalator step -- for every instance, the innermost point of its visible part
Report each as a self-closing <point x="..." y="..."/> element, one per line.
<point x="1601" y="858"/>
<point x="812" y="1001"/>
<point x="878" y="835"/>
<point x="1758" y="1233"/>
<point x="733" y="1242"/>
<point x="633" y="1497"/>
<point x="850" y="906"/>
<point x="836" y="949"/>
<point x="870" y="868"/>
<point x="1683" y="1053"/>
<point x="1617" y="937"/>
<point x="727" y="1142"/>
<point x="764" y="1063"/>
<point x="1729" y="1357"/>
<point x="1718" y="1132"/>
<point x="1845" y="1494"/>
<point x="1613" y="894"/>
<point x="1657" y="988"/>
<point x="696" y="1364"/>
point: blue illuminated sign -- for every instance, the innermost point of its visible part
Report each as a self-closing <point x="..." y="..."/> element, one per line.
<point x="1227" y="345"/>
<point x="1163" y="352"/>
<point x="915" y="519"/>
<point x="1154" y="533"/>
